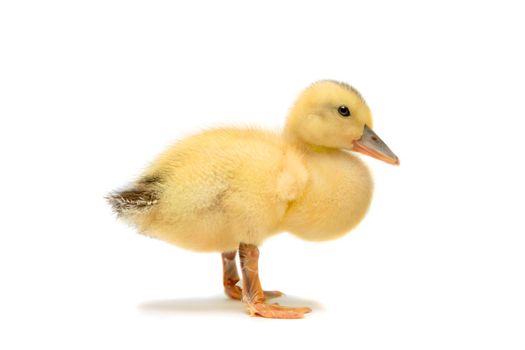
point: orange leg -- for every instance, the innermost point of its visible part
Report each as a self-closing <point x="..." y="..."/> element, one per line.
<point x="252" y="293"/>
<point x="231" y="277"/>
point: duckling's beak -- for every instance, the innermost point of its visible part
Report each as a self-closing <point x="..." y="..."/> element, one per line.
<point x="371" y="145"/>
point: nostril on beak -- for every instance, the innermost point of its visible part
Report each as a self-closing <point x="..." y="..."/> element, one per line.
<point x="375" y="138"/>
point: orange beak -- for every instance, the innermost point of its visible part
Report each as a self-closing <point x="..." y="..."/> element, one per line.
<point x="371" y="145"/>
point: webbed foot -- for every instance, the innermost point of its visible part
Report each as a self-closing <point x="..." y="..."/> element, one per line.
<point x="235" y="292"/>
<point x="276" y="311"/>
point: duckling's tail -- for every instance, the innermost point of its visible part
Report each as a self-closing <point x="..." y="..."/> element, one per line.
<point x="132" y="201"/>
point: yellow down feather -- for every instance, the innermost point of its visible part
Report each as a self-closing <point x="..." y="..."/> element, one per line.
<point x="225" y="186"/>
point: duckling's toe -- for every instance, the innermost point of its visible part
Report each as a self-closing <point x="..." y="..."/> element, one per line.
<point x="276" y="311"/>
<point x="235" y="292"/>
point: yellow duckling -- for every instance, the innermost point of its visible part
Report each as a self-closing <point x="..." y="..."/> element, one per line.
<point x="229" y="189"/>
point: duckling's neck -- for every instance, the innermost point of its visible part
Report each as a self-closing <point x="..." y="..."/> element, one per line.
<point x="292" y="139"/>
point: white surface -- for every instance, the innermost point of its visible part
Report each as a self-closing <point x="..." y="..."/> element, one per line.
<point x="91" y="91"/>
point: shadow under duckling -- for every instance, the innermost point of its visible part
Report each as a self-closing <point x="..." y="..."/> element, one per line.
<point x="228" y="189"/>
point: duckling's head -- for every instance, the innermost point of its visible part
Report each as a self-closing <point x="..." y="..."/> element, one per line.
<point x="334" y="115"/>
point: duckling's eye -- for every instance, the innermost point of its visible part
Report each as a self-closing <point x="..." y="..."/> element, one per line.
<point x="344" y="111"/>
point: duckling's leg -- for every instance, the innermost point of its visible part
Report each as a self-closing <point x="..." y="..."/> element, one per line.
<point x="231" y="277"/>
<point x="252" y="293"/>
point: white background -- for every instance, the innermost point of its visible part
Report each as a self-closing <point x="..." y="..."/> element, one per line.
<point x="91" y="91"/>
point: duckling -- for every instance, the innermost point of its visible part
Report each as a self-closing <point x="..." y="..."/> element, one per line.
<point x="226" y="190"/>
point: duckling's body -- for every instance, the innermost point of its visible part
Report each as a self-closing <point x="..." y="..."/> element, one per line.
<point x="217" y="189"/>
<point x="231" y="188"/>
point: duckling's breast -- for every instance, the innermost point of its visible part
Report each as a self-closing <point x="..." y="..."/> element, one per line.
<point x="336" y="197"/>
